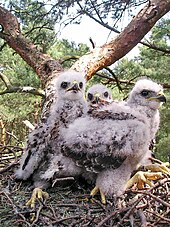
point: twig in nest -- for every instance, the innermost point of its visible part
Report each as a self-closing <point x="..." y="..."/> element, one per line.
<point x="19" y="221"/>
<point x="37" y="215"/>
<point x="158" y="215"/>
<point x="156" y="198"/>
<point x="142" y="218"/>
<point x="130" y="210"/>
<point x="62" y="179"/>
<point x="115" y="213"/>
<point x="9" y="167"/>
<point x="65" y="219"/>
<point x="13" y="205"/>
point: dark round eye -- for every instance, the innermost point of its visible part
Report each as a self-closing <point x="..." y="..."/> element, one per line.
<point x="80" y="85"/>
<point x="144" y="93"/>
<point x="106" y="94"/>
<point x="64" y="85"/>
<point x="90" y="96"/>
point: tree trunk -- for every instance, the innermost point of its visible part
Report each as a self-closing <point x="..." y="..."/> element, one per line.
<point x="90" y="63"/>
<point x="125" y="41"/>
<point x="42" y="63"/>
<point x="47" y="68"/>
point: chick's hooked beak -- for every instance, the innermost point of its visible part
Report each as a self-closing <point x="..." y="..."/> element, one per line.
<point x="159" y="97"/>
<point x="74" y="87"/>
<point x="96" y="97"/>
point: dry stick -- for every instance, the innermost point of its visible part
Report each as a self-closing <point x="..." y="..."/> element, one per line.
<point x="130" y="210"/>
<point x="155" y="223"/>
<point x="21" y="220"/>
<point x="100" y="204"/>
<point x="77" y="223"/>
<point x="142" y="218"/>
<point x="52" y="210"/>
<point x="37" y="215"/>
<point x="7" y="158"/>
<point x="68" y="205"/>
<point x="8" y="167"/>
<point x="65" y="219"/>
<point x="7" y="146"/>
<point x="158" y="215"/>
<point x="48" y="216"/>
<point x="13" y="205"/>
<point x="156" y="198"/>
<point x="100" y="224"/>
<point x="125" y="209"/>
<point x="144" y="205"/>
<point x="12" y="151"/>
<point x="89" y="223"/>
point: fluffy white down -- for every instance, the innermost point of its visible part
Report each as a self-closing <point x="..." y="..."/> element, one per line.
<point x="66" y="107"/>
<point x="99" y="89"/>
<point x="95" y="135"/>
<point x="69" y="167"/>
<point x="126" y="137"/>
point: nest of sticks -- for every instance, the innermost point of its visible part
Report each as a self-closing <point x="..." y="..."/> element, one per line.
<point x="70" y="205"/>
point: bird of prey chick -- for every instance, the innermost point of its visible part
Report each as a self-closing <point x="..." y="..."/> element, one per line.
<point x="155" y="99"/>
<point x="111" y="143"/>
<point x="98" y="95"/>
<point x="69" y="104"/>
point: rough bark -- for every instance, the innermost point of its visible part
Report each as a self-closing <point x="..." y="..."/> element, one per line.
<point x="90" y="63"/>
<point x="125" y="41"/>
<point x="42" y="63"/>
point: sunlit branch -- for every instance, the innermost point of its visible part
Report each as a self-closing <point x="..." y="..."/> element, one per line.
<point x="150" y="45"/>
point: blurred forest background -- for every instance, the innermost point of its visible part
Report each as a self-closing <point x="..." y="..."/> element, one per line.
<point x="38" y="24"/>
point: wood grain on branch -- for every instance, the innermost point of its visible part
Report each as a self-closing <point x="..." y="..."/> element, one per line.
<point x="42" y="63"/>
<point x="92" y="62"/>
<point x="111" y="52"/>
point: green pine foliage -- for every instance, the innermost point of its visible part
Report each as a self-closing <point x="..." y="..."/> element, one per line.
<point x="67" y="52"/>
<point x="16" y="107"/>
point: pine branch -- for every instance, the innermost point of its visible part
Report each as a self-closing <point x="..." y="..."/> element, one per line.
<point x="19" y="89"/>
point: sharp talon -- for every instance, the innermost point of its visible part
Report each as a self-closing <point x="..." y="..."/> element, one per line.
<point x="142" y="178"/>
<point x="36" y="194"/>
<point x="95" y="191"/>
<point x="33" y="217"/>
<point x="163" y="167"/>
<point x="103" y="197"/>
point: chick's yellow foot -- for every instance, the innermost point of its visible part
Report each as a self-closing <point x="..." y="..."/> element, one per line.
<point x="141" y="178"/>
<point x="156" y="167"/>
<point x="36" y="194"/>
<point x="95" y="191"/>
